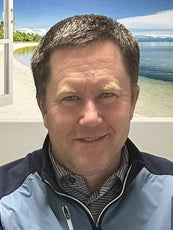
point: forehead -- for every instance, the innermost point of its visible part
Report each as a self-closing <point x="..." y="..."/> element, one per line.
<point x="100" y="62"/>
<point x="106" y="53"/>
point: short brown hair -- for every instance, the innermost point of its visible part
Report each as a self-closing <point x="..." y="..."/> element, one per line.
<point x="78" y="31"/>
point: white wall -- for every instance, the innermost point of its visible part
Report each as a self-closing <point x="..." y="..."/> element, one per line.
<point x="17" y="138"/>
<point x="153" y="135"/>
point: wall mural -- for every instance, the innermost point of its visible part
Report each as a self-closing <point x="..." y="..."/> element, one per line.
<point x="151" y="23"/>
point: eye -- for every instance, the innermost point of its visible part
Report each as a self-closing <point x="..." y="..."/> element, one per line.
<point x="70" y="98"/>
<point x="107" y="95"/>
<point x="107" y="98"/>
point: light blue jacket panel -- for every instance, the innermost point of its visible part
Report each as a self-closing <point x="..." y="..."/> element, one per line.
<point x="146" y="204"/>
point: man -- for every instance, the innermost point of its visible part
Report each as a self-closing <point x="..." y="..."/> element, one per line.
<point x="88" y="175"/>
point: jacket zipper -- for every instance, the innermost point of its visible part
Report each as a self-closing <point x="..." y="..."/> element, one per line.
<point x="66" y="210"/>
<point x="122" y="191"/>
<point x="68" y="196"/>
<point x="67" y="216"/>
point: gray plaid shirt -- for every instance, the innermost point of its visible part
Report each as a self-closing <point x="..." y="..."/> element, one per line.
<point x="76" y="186"/>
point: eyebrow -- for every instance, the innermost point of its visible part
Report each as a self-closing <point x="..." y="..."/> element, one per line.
<point x="111" y="86"/>
<point x="65" y="89"/>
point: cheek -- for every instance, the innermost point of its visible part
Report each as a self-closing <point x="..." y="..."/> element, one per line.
<point x="119" y="118"/>
<point x="119" y="111"/>
<point x="61" y="124"/>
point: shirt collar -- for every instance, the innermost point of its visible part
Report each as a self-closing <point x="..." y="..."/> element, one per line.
<point x="64" y="176"/>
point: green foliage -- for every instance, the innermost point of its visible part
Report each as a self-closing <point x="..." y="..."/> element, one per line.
<point x="25" y="37"/>
<point x="1" y="30"/>
<point x="20" y="36"/>
<point x="1" y="34"/>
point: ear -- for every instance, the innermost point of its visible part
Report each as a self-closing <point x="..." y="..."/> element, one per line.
<point x="41" y="105"/>
<point x="42" y="108"/>
<point x="135" y="96"/>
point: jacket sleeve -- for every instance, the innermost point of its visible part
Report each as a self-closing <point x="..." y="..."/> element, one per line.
<point x="1" y="227"/>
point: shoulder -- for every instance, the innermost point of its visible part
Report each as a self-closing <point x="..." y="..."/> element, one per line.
<point x="158" y="165"/>
<point x="13" y="174"/>
<point x="153" y="163"/>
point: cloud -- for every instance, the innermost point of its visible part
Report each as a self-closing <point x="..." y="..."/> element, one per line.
<point x="158" y="24"/>
<point x="166" y="34"/>
<point x="41" y="32"/>
<point x="159" y="21"/>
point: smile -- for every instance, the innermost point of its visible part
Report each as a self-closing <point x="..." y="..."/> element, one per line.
<point x="92" y="139"/>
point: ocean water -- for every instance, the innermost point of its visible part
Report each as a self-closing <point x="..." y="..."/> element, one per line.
<point x="24" y="55"/>
<point x="156" y="60"/>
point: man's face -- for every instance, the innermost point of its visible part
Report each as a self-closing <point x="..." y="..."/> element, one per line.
<point x="88" y="107"/>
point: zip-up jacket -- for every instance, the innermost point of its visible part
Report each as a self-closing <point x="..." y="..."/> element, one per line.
<point x="30" y="198"/>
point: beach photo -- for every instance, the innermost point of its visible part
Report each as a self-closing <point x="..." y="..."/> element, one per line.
<point x="151" y="23"/>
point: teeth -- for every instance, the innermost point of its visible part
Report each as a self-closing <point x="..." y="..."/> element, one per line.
<point x="91" y="139"/>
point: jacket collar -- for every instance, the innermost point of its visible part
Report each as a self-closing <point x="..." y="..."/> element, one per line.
<point x="136" y="161"/>
<point x="47" y="173"/>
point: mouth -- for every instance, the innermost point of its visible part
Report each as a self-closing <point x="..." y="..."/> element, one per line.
<point x="92" y="139"/>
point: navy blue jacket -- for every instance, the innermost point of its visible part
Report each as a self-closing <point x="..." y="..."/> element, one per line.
<point x="30" y="198"/>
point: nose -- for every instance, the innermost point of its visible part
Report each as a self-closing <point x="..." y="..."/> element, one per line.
<point x="90" y="116"/>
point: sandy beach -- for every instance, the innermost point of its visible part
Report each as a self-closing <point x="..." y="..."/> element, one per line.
<point x="156" y="98"/>
<point x="24" y="104"/>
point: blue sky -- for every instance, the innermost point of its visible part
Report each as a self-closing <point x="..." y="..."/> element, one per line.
<point x="135" y="14"/>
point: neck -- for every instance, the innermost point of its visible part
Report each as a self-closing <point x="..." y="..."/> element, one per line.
<point x="95" y="182"/>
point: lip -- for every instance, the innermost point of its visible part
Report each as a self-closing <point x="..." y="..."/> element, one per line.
<point x="93" y="139"/>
